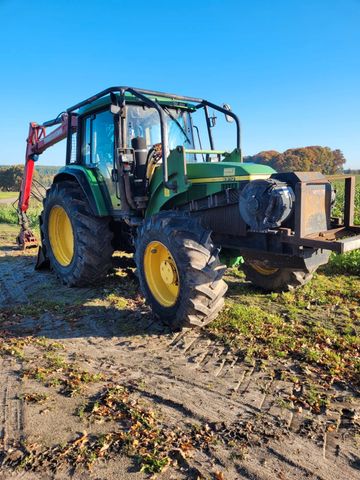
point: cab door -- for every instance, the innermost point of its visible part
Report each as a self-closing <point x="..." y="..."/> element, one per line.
<point x="98" y="150"/>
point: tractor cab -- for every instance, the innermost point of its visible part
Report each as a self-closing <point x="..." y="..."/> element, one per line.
<point x="145" y="146"/>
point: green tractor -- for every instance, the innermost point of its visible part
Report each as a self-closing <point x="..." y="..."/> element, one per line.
<point x="137" y="179"/>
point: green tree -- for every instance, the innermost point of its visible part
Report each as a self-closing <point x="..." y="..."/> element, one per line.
<point x="11" y="177"/>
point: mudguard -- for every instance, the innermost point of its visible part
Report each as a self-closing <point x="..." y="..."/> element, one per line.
<point x="93" y="187"/>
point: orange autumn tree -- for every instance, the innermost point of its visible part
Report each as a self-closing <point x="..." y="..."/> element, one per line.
<point x="306" y="159"/>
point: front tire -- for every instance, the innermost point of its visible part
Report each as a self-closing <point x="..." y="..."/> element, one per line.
<point x="77" y="244"/>
<point x="273" y="279"/>
<point x="179" y="270"/>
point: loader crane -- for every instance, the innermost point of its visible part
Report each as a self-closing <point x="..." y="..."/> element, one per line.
<point x="36" y="144"/>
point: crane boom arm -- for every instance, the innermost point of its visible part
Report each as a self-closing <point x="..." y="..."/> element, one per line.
<point x="37" y="142"/>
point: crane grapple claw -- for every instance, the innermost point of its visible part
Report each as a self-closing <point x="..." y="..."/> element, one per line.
<point x="26" y="239"/>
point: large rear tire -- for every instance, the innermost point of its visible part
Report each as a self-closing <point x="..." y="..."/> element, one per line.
<point x="77" y="244"/>
<point x="273" y="279"/>
<point x="179" y="270"/>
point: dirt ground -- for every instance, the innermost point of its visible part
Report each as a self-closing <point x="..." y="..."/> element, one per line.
<point x="217" y="414"/>
<point x="7" y="201"/>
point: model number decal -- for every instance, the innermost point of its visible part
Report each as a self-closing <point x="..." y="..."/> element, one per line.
<point x="229" y="172"/>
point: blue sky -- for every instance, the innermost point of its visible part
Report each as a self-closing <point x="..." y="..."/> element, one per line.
<point x="290" y="69"/>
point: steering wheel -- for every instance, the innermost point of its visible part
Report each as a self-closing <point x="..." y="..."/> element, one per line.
<point x="156" y="152"/>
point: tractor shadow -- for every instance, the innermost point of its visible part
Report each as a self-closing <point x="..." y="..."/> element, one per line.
<point x="6" y="248"/>
<point x="36" y="303"/>
<point x="94" y="322"/>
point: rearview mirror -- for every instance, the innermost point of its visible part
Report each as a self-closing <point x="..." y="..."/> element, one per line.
<point x="115" y="109"/>
<point x="229" y="119"/>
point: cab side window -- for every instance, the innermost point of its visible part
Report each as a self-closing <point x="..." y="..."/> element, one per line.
<point x="98" y="150"/>
<point x="86" y="142"/>
<point x="97" y="147"/>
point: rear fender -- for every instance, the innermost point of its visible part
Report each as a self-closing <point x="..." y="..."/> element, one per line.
<point x="94" y="190"/>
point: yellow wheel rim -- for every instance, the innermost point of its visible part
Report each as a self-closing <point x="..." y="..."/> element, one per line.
<point x="61" y="236"/>
<point x="161" y="274"/>
<point x="262" y="268"/>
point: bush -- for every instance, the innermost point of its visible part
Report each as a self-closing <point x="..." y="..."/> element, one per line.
<point x="340" y="198"/>
<point x="8" y="214"/>
<point x="346" y="263"/>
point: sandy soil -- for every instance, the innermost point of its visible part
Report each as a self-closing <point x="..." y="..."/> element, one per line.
<point x="8" y="201"/>
<point x="186" y="377"/>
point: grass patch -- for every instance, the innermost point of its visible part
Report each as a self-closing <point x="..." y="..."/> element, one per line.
<point x="6" y="195"/>
<point x="117" y="301"/>
<point x="56" y="372"/>
<point x="347" y="263"/>
<point x="315" y="399"/>
<point x="47" y="365"/>
<point x="317" y="325"/>
<point x="8" y="229"/>
<point x="8" y="214"/>
<point x="15" y="346"/>
<point x="34" y="309"/>
<point x="8" y="233"/>
<point x="340" y="198"/>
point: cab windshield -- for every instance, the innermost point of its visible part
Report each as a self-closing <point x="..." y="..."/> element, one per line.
<point x="142" y="121"/>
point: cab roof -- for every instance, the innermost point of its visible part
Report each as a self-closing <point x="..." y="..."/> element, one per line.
<point x="130" y="98"/>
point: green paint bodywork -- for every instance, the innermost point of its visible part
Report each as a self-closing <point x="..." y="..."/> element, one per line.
<point x="91" y="182"/>
<point x="198" y="180"/>
<point x="193" y="180"/>
<point x="230" y="257"/>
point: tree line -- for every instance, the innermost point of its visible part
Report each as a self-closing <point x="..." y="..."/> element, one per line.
<point x="11" y="176"/>
<point x="315" y="158"/>
<point x="306" y="159"/>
